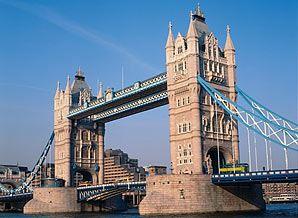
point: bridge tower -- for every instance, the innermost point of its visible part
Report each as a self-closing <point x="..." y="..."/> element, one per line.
<point x="197" y="126"/>
<point x="79" y="144"/>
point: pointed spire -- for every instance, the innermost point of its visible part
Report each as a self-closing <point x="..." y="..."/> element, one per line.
<point x="67" y="89"/>
<point x="57" y="90"/>
<point x="170" y="40"/>
<point x="198" y="11"/>
<point x="100" y="92"/>
<point x="192" y="31"/>
<point x="229" y="43"/>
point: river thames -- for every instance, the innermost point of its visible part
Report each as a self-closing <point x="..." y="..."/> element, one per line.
<point x="273" y="210"/>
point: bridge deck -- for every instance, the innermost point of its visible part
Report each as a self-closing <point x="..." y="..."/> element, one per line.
<point x="274" y="176"/>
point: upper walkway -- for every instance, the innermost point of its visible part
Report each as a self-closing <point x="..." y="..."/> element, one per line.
<point x="138" y="97"/>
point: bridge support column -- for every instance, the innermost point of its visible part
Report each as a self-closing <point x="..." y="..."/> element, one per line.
<point x="101" y="132"/>
<point x="189" y="194"/>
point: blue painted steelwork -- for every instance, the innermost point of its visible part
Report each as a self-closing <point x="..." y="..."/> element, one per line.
<point x="25" y="185"/>
<point x="85" y="193"/>
<point x="274" y="176"/>
<point x="140" y="103"/>
<point x="267" y="113"/>
<point x="16" y="197"/>
<point x="278" y="134"/>
<point x="138" y="87"/>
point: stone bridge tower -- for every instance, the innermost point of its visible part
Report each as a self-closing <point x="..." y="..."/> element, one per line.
<point x="197" y="126"/>
<point x="79" y="145"/>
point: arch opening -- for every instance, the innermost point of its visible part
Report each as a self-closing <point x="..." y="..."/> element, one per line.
<point x="83" y="178"/>
<point x="213" y="155"/>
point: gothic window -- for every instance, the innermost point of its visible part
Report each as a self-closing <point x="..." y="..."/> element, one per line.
<point x="180" y="67"/>
<point x="205" y="65"/>
<point x="175" y="68"/>
<point x="210" y="65"/>
<point x="189" y="125"/>
<point x="92" y="154"/>
<point x="189" y="145"/>
<point x="184" y="64"/>
<point x="179" y="147"/>
<point x="190" y="162"/>
<point x="178" y="103"/>
<point x="183" y="101"/>
<point x="94" y="137"/>
<point x="188" y="100"/>
<point x="180" y="163"/>
<point x="189" y="152"/>
<point x="84" y="151"/>
<point x="184" y="127"/>
<point x="179" y="128"/>
<point x="78" y="152"/>
<point x="85" y="135"/>
<point x="185" y="152"/>
<point x="180" y="49"/>
<point x="185" y="160"/>
<point x="209" y="50"/>
<point x="214" y="52"/>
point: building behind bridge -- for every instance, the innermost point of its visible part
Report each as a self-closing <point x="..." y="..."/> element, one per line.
<point x="118" y="167"/>
<point x="280" y="192"/>
<point x="11" y="175"/>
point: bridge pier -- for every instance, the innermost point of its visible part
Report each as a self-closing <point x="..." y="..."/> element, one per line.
<point x="53" y="200"/>
<point x="189" y="194"/>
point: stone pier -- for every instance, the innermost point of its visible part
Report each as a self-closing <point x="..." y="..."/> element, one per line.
<point x="190" y="194"/>
<point x="53" y="200"/>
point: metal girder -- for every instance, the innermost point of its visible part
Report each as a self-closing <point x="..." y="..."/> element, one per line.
<point x="137" y="88"/>
<point x="266" y="128"/>
<point x="142" y="104"/>
<point x="26" y="184"/>
<point x="267" y="113"/>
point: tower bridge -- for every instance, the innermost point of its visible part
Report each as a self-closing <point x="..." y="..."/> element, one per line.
<point x="201" y="92"/>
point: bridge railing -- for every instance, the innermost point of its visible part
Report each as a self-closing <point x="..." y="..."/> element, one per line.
<point x="161" y="78"/>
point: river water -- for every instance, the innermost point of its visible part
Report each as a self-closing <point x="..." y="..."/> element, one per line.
<point x="273" y="210"/>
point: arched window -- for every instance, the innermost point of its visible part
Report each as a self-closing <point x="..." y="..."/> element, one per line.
<point x="85" y="135"/>
<point x="92" y="154"/>
<point x="84" y="151"/>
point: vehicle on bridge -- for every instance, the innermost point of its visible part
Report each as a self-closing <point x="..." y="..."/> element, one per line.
<point x="235" y="168"/>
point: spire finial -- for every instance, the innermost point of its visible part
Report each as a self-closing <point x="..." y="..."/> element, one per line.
<point x="100" y="91"/>
<point x="190" y="14"/>
<point x="58" y="86"/>
<point x="57" y="90"/>
<point x="228" y="29"/>
<point x="170" y="40"/>
<point x="79" y="72"/>
<point x="198" y="11"/>
<point x="229" y="43"/>
<point x="170" y="25"/>
<point x="67" y="89"/>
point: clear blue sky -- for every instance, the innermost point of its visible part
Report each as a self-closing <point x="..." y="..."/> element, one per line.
<point x="44" y="41"/>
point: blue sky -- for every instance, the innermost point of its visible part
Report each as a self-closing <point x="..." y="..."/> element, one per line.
<point x="44" y="41"/>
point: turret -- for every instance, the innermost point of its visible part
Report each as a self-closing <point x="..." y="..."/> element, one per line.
<point x="170" y="46"/>
<point x="57" y="96"/>
<point x="230" y="56"/>
<point x="192" y="36"/>
<point x="100" y="91"/>
<point x="67" y="94"/>
<point x="229" y="48"/>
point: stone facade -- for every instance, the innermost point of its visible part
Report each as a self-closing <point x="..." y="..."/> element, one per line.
<point x="79" y="145"/>
<point x="53" y="200"/>
<point x="197" y="125"/>
<point x="187" y="194"/>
